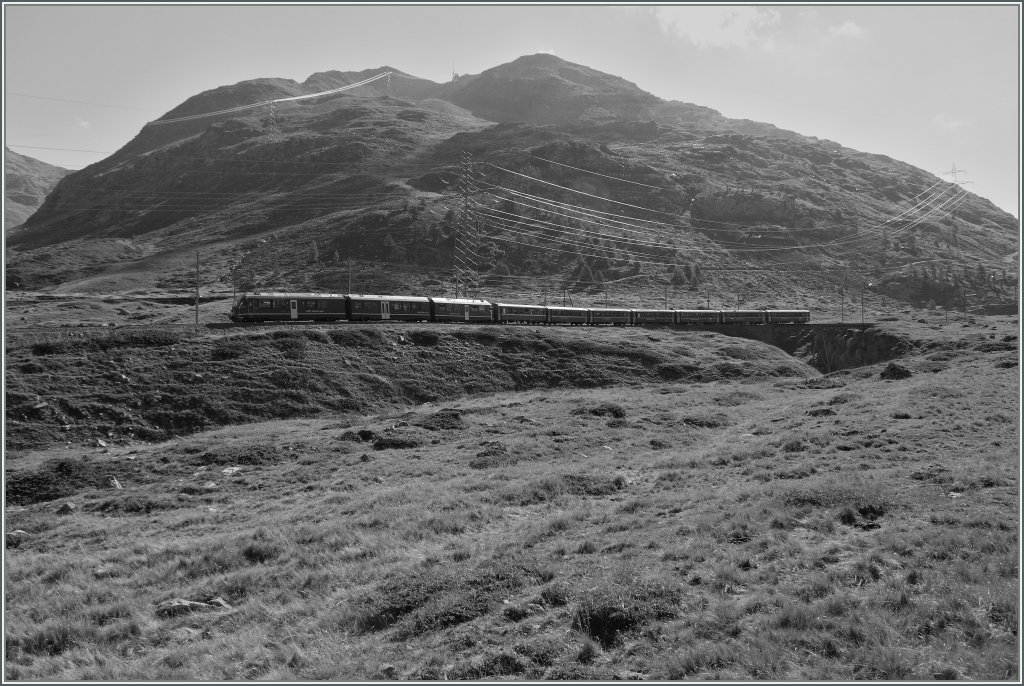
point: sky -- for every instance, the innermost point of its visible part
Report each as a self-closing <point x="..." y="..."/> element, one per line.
<point x="930" y="85"/>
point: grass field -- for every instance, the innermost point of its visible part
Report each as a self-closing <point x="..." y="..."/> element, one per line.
<point x="644" y="505"/>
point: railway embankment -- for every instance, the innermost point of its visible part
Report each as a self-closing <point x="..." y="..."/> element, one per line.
<point x="151" y="384"/>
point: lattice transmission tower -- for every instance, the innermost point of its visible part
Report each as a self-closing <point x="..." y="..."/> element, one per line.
<point x="467" y="234"/>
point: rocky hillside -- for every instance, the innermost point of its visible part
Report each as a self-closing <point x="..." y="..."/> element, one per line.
<point x="580" y="179"/>
<point x="27" y="182"/>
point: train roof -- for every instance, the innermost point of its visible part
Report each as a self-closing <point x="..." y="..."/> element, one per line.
<point x="275" y="294"/>
<point x="460" y="301"/>
<point x="403" y="298"/>
<point x="540" y="307"/>
<point x="563" y="308"/>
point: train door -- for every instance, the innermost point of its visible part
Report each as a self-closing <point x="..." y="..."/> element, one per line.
<point x="294" y="307"/>
<point x="385" y="310"/>
<point x="465" y="311"/>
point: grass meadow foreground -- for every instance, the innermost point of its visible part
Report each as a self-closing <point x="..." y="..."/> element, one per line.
<point x="769" y="526"/>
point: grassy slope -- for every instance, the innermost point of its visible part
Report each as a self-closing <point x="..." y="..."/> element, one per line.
<point x="749" y="527"/>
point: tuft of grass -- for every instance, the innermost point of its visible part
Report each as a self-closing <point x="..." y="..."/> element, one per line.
<point x="610" y="609"/>
<point x="700" y="658"/>
<point x="588" y="651"/>
<point x="884" y="663"/>
<point x="795" y="615"/>
<point x="52" y="638"/>
<point x="441" y="595"/>
<point x="603" y="410"/>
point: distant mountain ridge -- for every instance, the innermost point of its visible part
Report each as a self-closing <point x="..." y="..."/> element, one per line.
<point x="27" y="182"/>
<point x="371" y="174"/>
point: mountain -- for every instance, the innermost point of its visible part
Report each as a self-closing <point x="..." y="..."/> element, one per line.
<point x="27" y="182"/>
<point x="578" y="179"/>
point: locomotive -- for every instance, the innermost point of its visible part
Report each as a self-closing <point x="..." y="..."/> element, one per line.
<point x="316" y="307"/>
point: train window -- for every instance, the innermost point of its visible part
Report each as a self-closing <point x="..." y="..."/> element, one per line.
<point x="313" y="305"/>
<point x="266" y="304"/>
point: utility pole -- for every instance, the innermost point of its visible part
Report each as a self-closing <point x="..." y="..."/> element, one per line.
<point x="197" y="289"/>
<point x="861" y="305"/>
<point x="350" y="275"/>
<point x="666" y="296"/>
<point x="708" y="293"/>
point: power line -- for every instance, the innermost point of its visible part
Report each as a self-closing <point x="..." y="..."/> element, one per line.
<point x="40" y="147"/>
<point x="587" y="171"/>
<point x="79" y="102"/>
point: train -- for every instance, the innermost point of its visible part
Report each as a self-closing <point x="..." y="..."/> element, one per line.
<point x="318" y="307"/>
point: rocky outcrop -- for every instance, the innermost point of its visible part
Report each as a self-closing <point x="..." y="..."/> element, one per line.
<point x="748" y="208"/>
<point x="829" y="348"/>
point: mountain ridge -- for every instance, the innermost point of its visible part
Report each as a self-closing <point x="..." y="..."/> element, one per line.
<point x="27" y="182"/>
<point x="358" y="170"/>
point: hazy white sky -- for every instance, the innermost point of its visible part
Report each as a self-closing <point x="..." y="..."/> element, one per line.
<point x="929" y="85"/>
